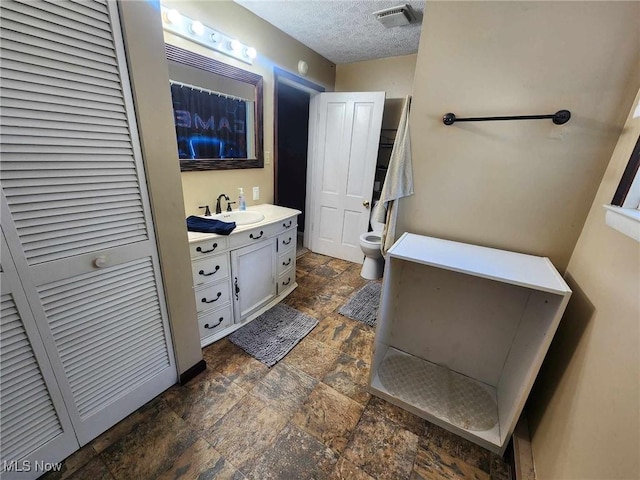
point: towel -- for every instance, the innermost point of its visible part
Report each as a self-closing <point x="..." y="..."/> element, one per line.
<point x="398" y="182"/>
<point x="209" y="225"/>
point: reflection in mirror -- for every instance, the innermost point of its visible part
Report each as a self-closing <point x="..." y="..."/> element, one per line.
<point x="217" y="112"/>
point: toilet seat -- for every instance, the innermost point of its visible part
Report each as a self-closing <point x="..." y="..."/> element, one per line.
<point x="371" y="238"/>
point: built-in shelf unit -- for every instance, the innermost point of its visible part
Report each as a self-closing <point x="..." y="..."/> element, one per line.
<point x="462" y="331"/>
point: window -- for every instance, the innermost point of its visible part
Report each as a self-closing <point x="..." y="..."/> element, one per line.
<point x="624" y="214"/>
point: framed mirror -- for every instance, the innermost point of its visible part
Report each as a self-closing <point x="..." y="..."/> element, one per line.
<point x="217" y="112"/>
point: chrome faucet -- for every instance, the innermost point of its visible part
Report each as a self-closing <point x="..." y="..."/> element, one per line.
<point x="218" y="207"/>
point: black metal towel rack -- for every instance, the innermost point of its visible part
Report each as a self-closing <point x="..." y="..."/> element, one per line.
<point x="559" y="118"/>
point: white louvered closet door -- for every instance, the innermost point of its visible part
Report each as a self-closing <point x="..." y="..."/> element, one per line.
<point x="75" y="209"/>
<point x="34" y="424"/>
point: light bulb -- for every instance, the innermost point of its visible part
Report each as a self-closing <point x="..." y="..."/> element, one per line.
<point x="303" y="67"/>
<point x="197" y="28"/>
<point x="250" y="52"/>
<point x="235" y="45"/>
<point x="173" y="16"/>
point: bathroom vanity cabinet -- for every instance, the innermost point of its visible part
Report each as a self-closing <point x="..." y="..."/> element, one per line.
<point x="238" y="277"/>
<point x="462" y="332"/>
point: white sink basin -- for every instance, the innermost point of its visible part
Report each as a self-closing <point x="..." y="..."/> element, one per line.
<point x="241" y="217"/>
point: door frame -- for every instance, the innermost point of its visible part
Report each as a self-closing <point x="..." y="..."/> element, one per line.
<point x="283" y="76"/>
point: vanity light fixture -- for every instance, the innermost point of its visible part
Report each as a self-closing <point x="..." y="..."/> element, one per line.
<point x="250" y="53"/>
<point x="235" y="46"/>
<point x="178" y="24"/>
<point x="197" y="28"/>
<point x="171" y="16"/>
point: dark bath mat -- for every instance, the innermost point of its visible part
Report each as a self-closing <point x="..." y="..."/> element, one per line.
<point x="273" y="334"/>
<point x="363" y="305"/>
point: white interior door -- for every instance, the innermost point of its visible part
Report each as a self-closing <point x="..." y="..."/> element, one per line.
<point x="343" y="150"/>
<point x="34" y="423"/>
<point x="75" y="210"/>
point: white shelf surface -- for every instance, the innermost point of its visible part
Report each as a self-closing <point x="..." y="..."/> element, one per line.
<point x="509" y="267"/>
<point x="440" y="395"/>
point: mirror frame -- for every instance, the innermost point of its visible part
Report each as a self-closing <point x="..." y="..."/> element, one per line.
<point x="191" y="59"/>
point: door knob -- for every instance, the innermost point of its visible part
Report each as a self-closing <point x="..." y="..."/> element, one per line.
<point x="365" y="204"/>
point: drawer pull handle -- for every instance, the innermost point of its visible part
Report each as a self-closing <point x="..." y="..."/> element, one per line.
<point x="256" y="238"/>
<point x="204" y="299"/>
<point x="206" y="325"/>
<point x="237" y="289"/>
<point x="284" y="284"/>
<point x="215" y="270"/>
<point x="287" y="263"/>
<point x="199" y="249"/>
<point x="286" y="242"/>
<point x="287" y="225"/>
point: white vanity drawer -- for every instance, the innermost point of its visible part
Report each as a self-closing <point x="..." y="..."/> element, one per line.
<point x="286" y="279"/>
<point x="210" y="269"/>
<point x="289" y="222"/>
<point x="214" y="321"/>
<point x="287" y="240"/>
<point x="254" y="235"/>
<point x="208" y="247"/>
<point x="286" y="261"/>
<point x="213" y="296"/>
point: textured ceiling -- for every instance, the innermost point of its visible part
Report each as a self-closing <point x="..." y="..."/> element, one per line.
<point x="343" y="31"/>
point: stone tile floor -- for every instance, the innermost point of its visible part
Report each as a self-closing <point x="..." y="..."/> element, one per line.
<point x="308" y="417"/>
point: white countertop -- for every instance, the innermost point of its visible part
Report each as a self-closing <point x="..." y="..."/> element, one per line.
<point x="272" y="213"/>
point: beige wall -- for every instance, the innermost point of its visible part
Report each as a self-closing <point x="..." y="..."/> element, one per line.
<point x="274" y="49"/>
<point x="584" y="410"/>
<point x="392" y="75"/>
<point x="149" y="75"/>
<point x="524" y="186"/>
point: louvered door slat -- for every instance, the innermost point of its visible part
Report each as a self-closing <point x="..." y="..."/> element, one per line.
<point x="45" y="107"/>
<point x="67" y="294"/>
<point x="16" y="30"/>
<point x="67" y="121"/>
<point x="46" y="58"/>
<point x="137" y="372"/>
<point x="72" y="53"/>
<point x="36" y="422"/>
<point x="77" y="337"/>
<point x="85" y="351"/>
<point x="59" y="133"/>
<point x="9" y="11"/>
<point x="73" y="21"/>
<point x="67" y="304"/>
<point x="97" y="5"/>
<point x="103" y="371"/>
<point x="52" y="74"/>
<point x="31" y="217"/>
<point x="66" y="128"/>
<point x="119" y="217"/>
<point x="74" y="334"/>
<point x="39" y="95"/>
<point x="61" y="183"/>
<point x="76" y="14"/>
<point x="73" y="90"/>
<point x="23" y="381"/>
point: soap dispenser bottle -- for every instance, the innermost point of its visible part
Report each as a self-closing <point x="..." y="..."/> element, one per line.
<point x="242" y="205"/>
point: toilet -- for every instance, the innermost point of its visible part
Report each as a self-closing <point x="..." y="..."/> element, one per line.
<point x="370" y="244"/>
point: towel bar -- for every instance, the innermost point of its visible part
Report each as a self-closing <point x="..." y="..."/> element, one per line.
<point x="559" y="118"/>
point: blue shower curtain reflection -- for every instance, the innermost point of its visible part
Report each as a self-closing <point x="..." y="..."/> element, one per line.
<point x="208" y="125"/>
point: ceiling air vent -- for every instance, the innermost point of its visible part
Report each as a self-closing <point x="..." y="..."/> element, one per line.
<point x="396" y="16"/>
